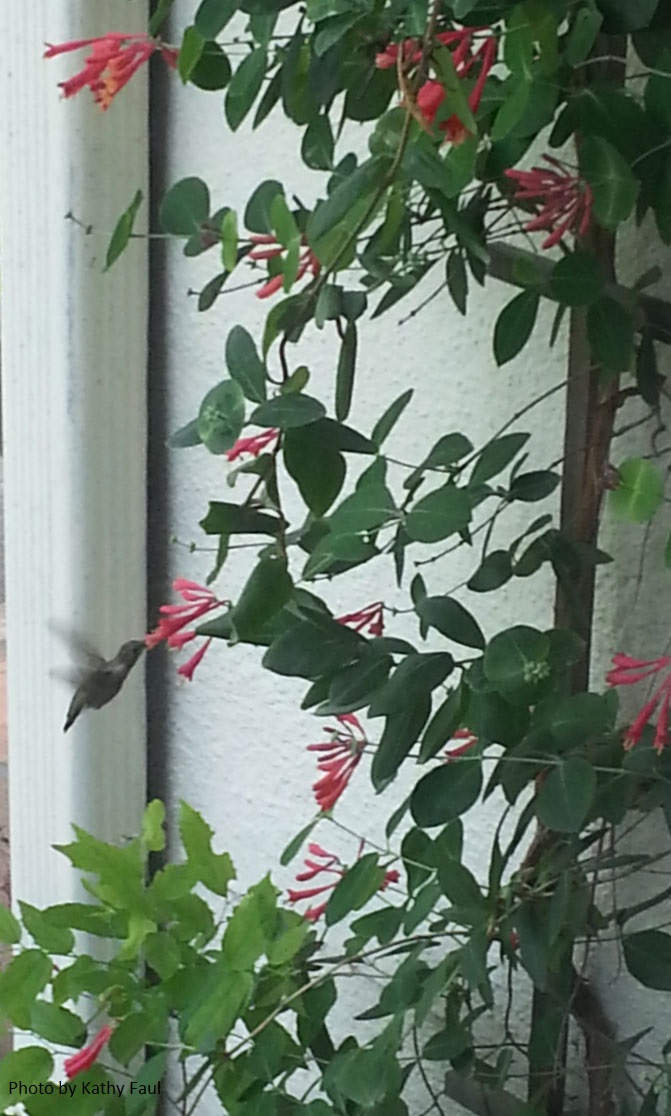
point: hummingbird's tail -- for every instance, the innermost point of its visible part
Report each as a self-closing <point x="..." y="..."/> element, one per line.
<point x="75" y="708"/>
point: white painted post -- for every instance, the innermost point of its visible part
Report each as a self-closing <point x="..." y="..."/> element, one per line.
<point x="73" y="382"/>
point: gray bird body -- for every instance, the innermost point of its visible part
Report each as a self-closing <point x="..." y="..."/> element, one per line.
<point x="102" y="679"/>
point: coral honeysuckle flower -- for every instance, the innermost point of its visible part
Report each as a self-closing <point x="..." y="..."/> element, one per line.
<point x="173" y="625"/>
<point x="253" y="445"/>
<point x="370" y="617"/>
<point x="467" y="56"/>
<point x="469" y="741"/>
<point x="330" y="865"/>
<point x="432" y="94"/>
<point x="338" y="759"/>
<point x="564" y="197"/>
<point x="267" y="247"/>
<point x="113" y="60"/>
<point x="627" y="672"/>
<point x="85" y="1057"/>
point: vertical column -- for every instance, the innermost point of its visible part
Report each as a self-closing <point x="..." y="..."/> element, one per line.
<point x="74" y="413"/>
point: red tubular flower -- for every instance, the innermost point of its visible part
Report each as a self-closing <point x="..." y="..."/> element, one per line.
<point x="266" y="247"/>
<point x="114" y="59"/>
<point x="370" y="617"/>
<point x="626" y="672"/>
<point x="432" y="94"/>
<point x="172" y="627"/>
<point x="469" y="741"/>
<point x="85" y="1057"/>
<point x="252" y="445"/>
<point x="565" y="199"/>
<point x="338" y="760"/>
<point x="330" y="865"/>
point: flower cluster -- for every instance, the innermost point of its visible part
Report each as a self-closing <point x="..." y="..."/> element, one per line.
<point x="172" y="627"/>
<point x="468" y="55"/>
<point x="113" y="60"/>
<point x="370" y="618"/>
<point x="318" y="863"/>
<point x="338" y="759"/>
<point x="565" y="199"/>
<point x="85" y="1057"/>
<point x="253" y="445"/>
<point x="267" y="247"/>
<point x="626" y="672"/>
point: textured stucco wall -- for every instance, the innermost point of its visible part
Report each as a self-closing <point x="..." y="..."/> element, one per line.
<point x="237" y="735"/>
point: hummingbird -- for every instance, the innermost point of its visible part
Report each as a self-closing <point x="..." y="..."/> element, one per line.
<point x="101" y="679"/>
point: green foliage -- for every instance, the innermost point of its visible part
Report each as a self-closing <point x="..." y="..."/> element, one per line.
<point x="240" y="984"/>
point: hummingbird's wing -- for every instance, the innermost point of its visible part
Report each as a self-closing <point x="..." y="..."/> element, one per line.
<point x="89" y="658"/>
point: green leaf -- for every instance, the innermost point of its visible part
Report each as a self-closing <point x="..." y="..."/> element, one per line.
<point x="266" y="591"/>
<point x="244" y="88"/>
<point x="611" y="334"/>
<point x="416" y="675"/>
<point x="229" y="240"/>
<point x="345" y="373"/>
<point x="315" y="464"/>
<point x="460" y="886"/>
<point x="493" y="572"/>
<point x="153" y="826"/>
<point x="21" y="982"/>
<point x="531" y="487"/>
<point x="296" y="843"/>
<point x="251" y="927"/>
<point x="452" y="620"/>
<point x="494" y="458"/>
<point x="287" y="411"/>
<point x="313" y="647"/>
<point x="442" y="725"/>
<point x="369" y="507"/>
<point x="317" y="145"/>
<point x="56" y="1024"/>
<point x="347" y="204"/>
<point x="356" y="887"/>
<point x="235" y="519"/>
<point x="514" y="325"/>
<point x="355" y="685"/>
<point x="578" y="717"/>
<point x="446" y="792"/>
<point x="221" y="417"/>
<point x="245" y="365"/>
<point x="614" y="186"/>
<point x="401" y="732"/>
<point x="640" y="491"/>
<point x="577" y="279"/>
<point x="31" y="1065"/>
<point x="438" y="515"/>
<point x="457" y="280"/>
<point x="214" y="870"/>
<point x="387" y="421"/>
<point x="257" y="212"/>
<point x="212" y="70"/>
<point x="185" y="207"/>
<point x="216" y="1006"/>
<point x="52" y="939"/>
<point x="190" y="52"/>
<point x="10" y="930"/>
<point x="122" y="231"/>
<point x="647" y="956"/>
<point x="585" y="27"/>
<point x="213" y="15"/>
<point x="517" y="660"/>
<point x="565" y="798"/>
